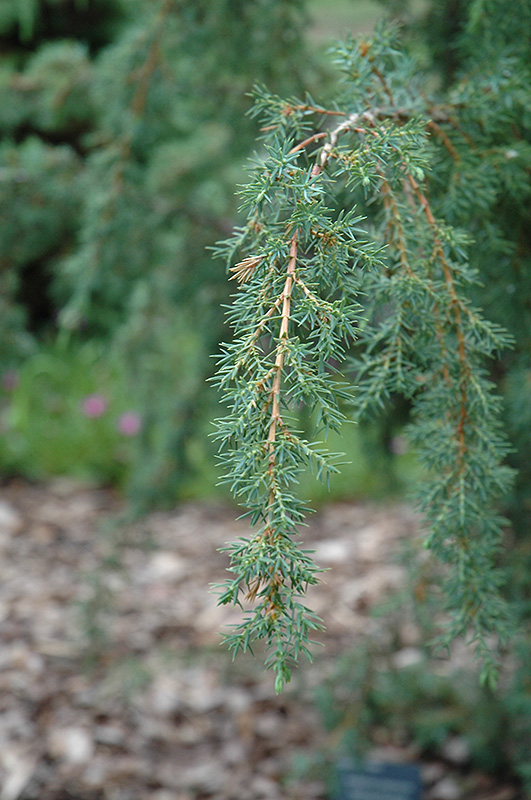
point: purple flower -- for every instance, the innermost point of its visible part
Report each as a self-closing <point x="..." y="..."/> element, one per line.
<point x="129" y="423"/>
<point x="9" y="380"/>
<point x="94" y="405"/>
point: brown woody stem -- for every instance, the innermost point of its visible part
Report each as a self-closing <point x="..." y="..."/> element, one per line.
<point x="280" y="354"/>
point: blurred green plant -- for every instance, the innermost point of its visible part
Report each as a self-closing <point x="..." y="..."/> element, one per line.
<point x="124" y="130"/>
<point x="68" y="411"/>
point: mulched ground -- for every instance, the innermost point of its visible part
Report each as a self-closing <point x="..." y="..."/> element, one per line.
<point x="113" y="684"/>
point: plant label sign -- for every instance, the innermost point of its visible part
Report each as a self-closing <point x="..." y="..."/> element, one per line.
<point x="379" y="782"/>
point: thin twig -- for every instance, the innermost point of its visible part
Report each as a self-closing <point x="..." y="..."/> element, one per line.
<point x="348" y="124"/>
<point x="309" y="140"/>
<point x="324" y="111"/>
<point x="443" y="136"/>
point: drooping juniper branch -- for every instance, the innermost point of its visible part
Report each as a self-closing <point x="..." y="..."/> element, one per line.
<point x="428" y="342"/>
<point x="456" y="304"/>
<point x="439" y="254"/>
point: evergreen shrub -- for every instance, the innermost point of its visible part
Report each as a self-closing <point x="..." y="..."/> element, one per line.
<point x="387" y="236"/>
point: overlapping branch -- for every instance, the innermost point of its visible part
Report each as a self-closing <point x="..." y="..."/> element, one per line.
<point x="429" y="326"/>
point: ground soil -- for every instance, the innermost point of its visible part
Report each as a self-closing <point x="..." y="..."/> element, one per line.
<point x="113" y="683"/>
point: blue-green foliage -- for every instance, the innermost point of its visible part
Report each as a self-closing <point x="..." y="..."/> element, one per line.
<point x="307" y="261"/>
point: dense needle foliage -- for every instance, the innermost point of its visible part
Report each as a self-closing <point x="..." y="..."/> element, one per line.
<point x="361" y="213"/>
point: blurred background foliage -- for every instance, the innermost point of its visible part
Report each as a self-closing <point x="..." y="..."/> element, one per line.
<point x="123" y="134"/>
